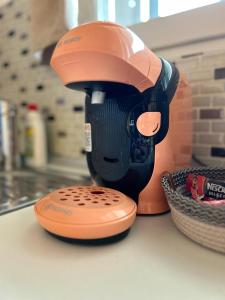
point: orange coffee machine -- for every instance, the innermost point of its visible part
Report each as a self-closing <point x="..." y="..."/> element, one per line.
<point x="138" y="110"/>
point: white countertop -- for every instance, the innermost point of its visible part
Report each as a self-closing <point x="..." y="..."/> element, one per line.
<point x="155" y="261"/>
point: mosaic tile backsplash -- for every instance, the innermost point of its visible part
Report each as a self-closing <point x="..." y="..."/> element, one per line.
<point x="22" y="79"/>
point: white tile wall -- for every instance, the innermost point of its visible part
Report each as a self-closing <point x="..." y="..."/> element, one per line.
<point x="66" y="120"/>
<point x="208" y="92"/>
<point x="208" y="104"/>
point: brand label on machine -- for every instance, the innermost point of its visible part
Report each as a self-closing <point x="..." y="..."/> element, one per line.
<point x="88" y="140"/>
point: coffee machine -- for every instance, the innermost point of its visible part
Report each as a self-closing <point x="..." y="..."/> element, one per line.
<point x="138" y="110"/>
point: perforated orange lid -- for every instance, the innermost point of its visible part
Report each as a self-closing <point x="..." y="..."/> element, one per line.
<point x="86" y="212"/>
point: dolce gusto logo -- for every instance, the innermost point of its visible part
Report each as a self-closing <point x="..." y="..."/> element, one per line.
<point x="68" y="41"/>
<point x="53" y="207"/>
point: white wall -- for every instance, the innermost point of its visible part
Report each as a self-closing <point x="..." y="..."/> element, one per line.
<point x="191" y="31"/>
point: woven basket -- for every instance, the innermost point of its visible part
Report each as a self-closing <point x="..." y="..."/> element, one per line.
<point x="200" y="222"/>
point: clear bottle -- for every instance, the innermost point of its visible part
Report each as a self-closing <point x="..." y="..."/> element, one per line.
<point x="36" y="143"/>
<point x="21" y="132"/>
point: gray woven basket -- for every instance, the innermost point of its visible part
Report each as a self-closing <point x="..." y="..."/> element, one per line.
<point x="200" y="222"/>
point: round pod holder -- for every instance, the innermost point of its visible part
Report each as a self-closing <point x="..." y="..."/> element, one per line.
<point x="86" y="213"/>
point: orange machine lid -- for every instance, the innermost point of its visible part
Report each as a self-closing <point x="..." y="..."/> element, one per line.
<point x="86" y="212"/>
<point x="104" y="51"/>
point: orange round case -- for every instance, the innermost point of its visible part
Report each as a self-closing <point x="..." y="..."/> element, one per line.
<point x="86" y="212"/>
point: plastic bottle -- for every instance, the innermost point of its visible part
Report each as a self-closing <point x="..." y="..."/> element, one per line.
<point x="21" y="132"/>
<point x="36" y="144"/>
